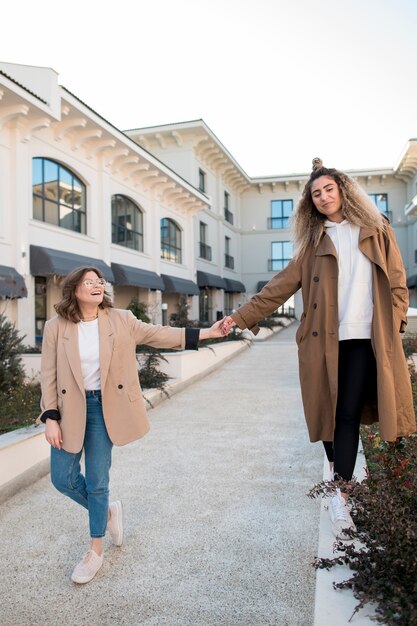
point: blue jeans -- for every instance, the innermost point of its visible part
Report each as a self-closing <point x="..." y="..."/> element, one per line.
<point x="91" y="490"/>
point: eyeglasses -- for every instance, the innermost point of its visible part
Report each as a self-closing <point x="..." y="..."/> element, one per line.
<point x="94" y="283"/>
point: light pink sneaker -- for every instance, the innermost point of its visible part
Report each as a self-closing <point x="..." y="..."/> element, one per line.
<point x="87" y="568"/>
<point x="115" y="523"/>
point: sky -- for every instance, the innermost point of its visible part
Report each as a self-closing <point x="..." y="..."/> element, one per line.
<point x="278" y="81"/>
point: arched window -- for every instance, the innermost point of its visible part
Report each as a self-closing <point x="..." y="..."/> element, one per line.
<point x="58" y="195"/>
<point x="170" y="241"/>
<point x="127" y="223"/>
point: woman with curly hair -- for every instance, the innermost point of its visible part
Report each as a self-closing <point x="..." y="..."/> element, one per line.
<point x="91" y="397"/>
<point x="355" y="300"/>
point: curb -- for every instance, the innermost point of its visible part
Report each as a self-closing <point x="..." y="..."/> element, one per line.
<point x="335" y="607"/>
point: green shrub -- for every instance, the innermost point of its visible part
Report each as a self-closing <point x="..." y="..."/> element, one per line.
<point x="180" y="318"/>
<point x="11" y="345"/>
<point x="149" y="375"/>
<point x="139" y="310"/>
<point x="19" y="406"/>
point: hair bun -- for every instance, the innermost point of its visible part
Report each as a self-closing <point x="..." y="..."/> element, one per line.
<point x="317" y="164"/>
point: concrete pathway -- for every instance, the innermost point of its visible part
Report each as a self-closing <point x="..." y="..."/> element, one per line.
<point x="218" y="529"/>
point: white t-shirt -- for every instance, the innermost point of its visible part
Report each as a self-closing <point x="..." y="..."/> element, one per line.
<point x="355" y="298"/>
<point x="89" y="346"/>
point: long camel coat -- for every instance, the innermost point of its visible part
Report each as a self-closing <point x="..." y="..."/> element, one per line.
<point x="316" y="272"/>
<point x="123" y="405"/>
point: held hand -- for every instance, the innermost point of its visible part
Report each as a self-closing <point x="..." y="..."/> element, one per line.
<point x="227" y="324"/>
<point x="214" y="331"/>
<point x="53" y="434"/>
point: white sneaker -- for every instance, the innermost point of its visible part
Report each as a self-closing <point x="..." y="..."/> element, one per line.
<point x="115" y="523"/>
<point x="87" y="568"/>
<point x="340" y="517"/>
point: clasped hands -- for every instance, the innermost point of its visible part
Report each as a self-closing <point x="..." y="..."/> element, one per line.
<point x="219" y="329"/>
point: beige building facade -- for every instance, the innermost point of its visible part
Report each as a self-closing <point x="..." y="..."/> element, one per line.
<point x="166" y="212"/>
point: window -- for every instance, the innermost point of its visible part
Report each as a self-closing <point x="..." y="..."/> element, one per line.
<point x="381" y="201"/>
<point x="228" y="215"/>
<point x="201" y="180"/>
<point x="205" y="250"/>
<point x="170" y="241"/>
<point x="229" y="261"/>
<point x="58" y="196"/>
<point x="280" y="213"/>
<point x="127" y="223"/>
<point x="281" y="255"/>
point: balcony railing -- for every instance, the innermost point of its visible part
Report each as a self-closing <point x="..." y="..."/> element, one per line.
<point x="278" y="222"/>
<point x="205" y="251"/>
<point x="229" y="261"/>
<point x="228" y="216"/>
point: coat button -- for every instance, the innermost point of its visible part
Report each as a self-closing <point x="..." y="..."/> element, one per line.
<point x="315" y="333"/>
<point x="315" y="305"/>
<point x="63" y="391"/>
<point x="120" y="386"/>
<point x="316" y="279"/>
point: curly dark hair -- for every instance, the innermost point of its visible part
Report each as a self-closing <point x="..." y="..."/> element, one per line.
<point x="358" y="208"/>
<point x="68" y="307"/>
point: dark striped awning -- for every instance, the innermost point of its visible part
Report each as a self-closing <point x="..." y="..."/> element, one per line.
<point x="173" y="284"/>
<point x="12" y="284"/>
<point x="125" y="275"/>
<point x="204" y="279"/>
<point x="50" y="262"/>
<point x="261" y="285"/>
<point x="234" y="286"/>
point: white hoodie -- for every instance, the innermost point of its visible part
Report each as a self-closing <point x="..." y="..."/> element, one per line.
<point x="355" y="282"/>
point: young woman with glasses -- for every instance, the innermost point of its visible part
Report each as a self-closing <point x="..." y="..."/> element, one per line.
<point x="91" y="397"/>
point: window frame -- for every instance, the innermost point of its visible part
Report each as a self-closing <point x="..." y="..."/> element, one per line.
<point x="47" y="204"/>
<point x="137" y="235"/>
<point x="171" y="252"/>
<point x="202" y="180"/>
<point x="280" y="221"/>
<point x="281" y="260"/>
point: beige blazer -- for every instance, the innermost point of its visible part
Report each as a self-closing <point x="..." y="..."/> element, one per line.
<point x="123" y="405"/>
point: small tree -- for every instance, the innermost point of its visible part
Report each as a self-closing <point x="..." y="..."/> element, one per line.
<point x="11" y="346"/>
<point x="180" y="318"/>
<point x="139" y="310"/>
<point x="149" y="375"/>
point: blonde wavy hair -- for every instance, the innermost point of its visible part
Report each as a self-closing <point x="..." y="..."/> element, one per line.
<point x="308" y="223"/>
<point x="68" y="307"/>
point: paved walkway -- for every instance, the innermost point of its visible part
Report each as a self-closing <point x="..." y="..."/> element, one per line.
<point x="219" y="531"/>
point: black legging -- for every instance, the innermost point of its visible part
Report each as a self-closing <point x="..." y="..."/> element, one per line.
<point x="357" y="373"/>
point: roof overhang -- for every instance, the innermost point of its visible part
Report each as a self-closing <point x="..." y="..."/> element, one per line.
<point x="406" y="167"/>
<point x="125" y="275"/>
<point x="204" y="279"/>
<point x="50" y="262"/>
<point x="234" y="286"/>
<point x="12" y="284"/>
<point x="173" y="284"/>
